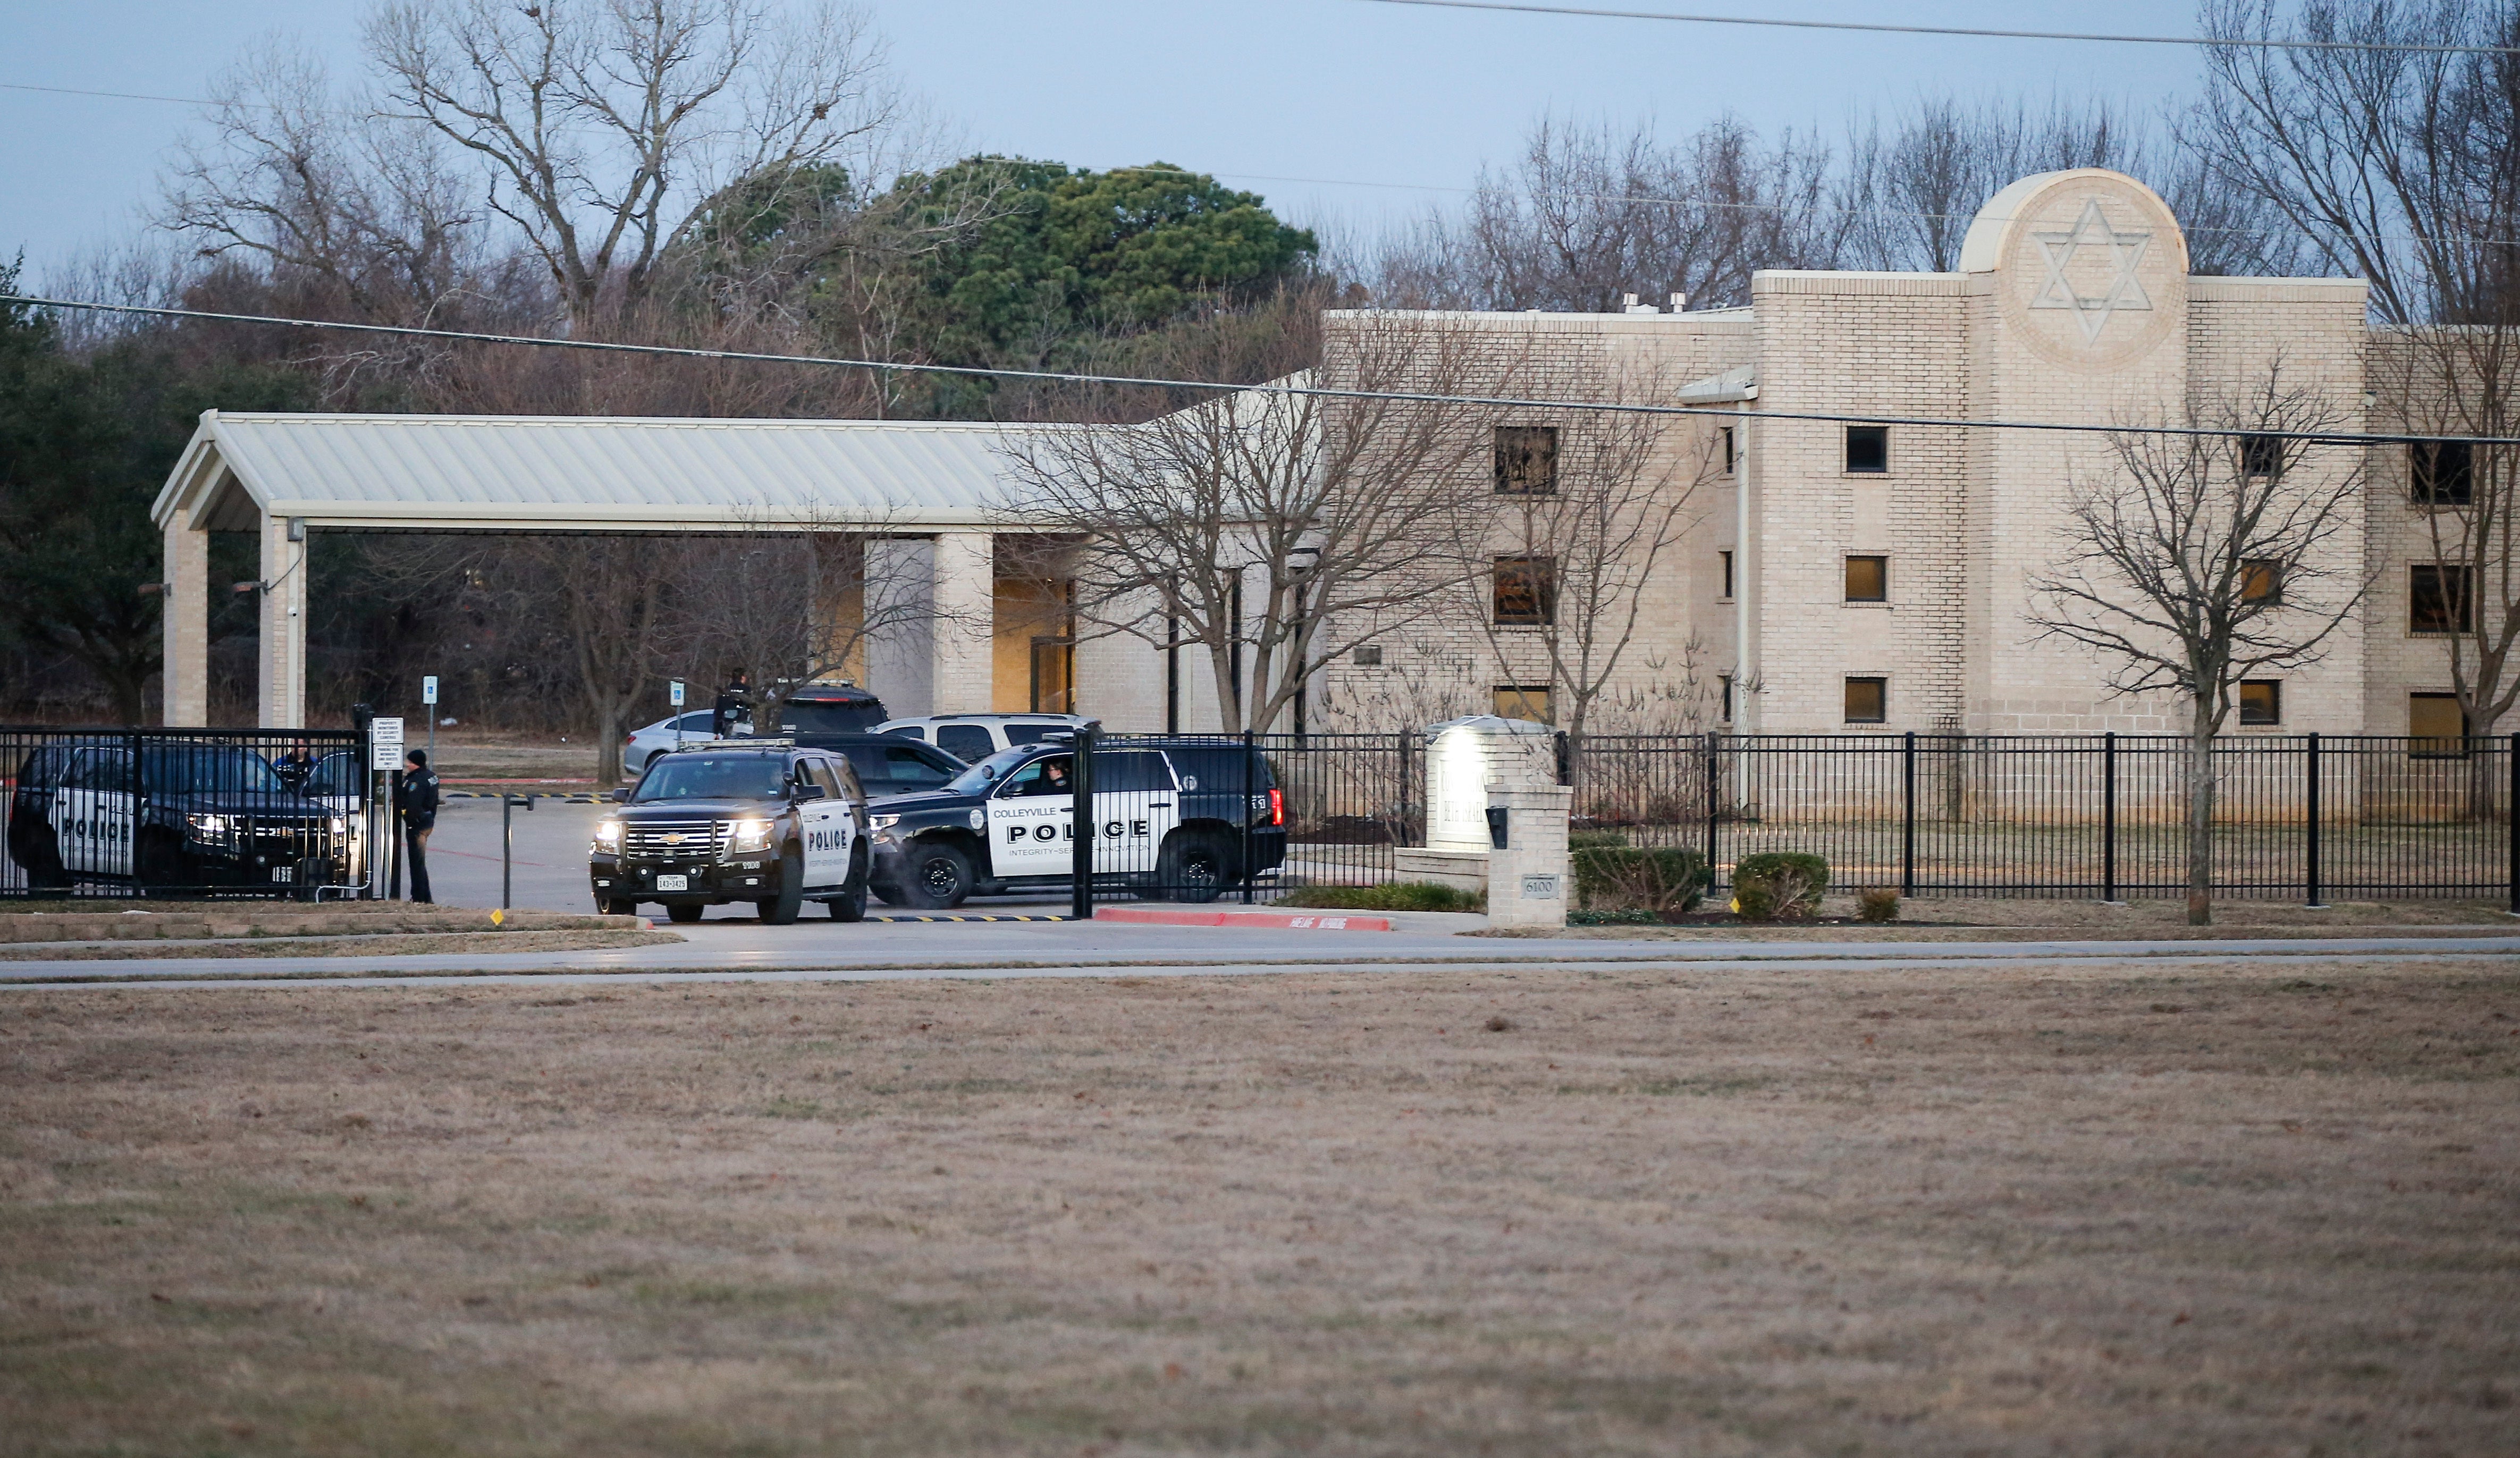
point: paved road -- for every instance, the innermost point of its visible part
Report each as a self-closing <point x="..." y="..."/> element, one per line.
<point x="821" y="950"/>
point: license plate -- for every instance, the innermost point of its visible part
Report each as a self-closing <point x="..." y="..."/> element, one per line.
<point x="283" y="873"/>
<point x="673" y="883"/>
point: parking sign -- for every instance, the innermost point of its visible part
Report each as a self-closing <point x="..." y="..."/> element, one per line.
<point x="429" y="689"/>
<point x="674" y="693"/>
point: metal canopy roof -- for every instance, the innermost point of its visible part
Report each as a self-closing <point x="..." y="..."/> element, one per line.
<point x="454" y="472"/>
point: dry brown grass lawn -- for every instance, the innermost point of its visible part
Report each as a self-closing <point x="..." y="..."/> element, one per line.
<point x="2233" y="1209"/>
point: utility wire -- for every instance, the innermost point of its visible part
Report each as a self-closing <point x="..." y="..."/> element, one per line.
<point x="1215" y="386"/>
<point x="2242" y="43"/>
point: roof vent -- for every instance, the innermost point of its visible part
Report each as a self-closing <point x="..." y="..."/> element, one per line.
<point x="1634" y="307"/>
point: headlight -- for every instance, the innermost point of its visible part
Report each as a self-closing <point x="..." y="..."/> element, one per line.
<point x="208" y="827"/>
<point x="883" y="822"/>
<point x="608" y="833"/>
<point x="340" y="826"/>
<point x="750" y="835"/>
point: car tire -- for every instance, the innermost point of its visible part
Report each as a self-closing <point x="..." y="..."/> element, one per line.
<point x="850" y="904"/>
<point x="616" y="906"/>
<point x="685" y="912"/>
<point x="1197" y="866"/>
<point x="937" y="877"/>
<point x="781" y="909"/>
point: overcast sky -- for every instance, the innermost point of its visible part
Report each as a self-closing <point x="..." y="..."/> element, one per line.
<point x="1252" y="90"/>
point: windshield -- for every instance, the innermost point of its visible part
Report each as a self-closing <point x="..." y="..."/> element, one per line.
<point x="830" y="716"/>
<point x="713" y="777"/>
<point x="334" y="774"/>
<point x="979" y="777"/>
<point x="212" y="769"/>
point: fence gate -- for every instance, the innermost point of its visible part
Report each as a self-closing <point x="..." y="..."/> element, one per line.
<point x="183" y="812"/>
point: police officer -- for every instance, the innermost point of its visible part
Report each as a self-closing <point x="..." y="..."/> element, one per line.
<point x="416" y="802"/>
<point x="297" y="767"/>
<point x="734" y="703"/>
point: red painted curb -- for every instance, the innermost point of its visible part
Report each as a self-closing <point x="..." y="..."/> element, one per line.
<point x="1276" y="921"/>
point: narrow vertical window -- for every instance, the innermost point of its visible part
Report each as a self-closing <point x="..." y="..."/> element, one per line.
<point x="1727" y="558"/>
<point x="1728" y="449"/>
<point x="1726" y="711"/>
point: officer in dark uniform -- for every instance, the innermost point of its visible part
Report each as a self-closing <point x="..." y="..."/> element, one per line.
<point x="734" y="704"/>
<point x="295" y="767"/>
<point x="416" y="802"/>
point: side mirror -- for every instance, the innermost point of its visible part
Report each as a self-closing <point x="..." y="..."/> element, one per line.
<point x="805" y="792"/>
<point x="621" y="796"/>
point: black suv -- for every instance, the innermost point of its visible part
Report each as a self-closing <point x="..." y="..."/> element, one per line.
<point x="812" y="711"/>
<point x="889" y="764"/>
<point x="759" y="821"/>
<point x="1175" y="818"/>
<point x="156" y="812"/>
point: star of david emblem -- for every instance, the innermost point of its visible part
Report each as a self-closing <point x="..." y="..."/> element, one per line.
<point x="2125" y="253"/>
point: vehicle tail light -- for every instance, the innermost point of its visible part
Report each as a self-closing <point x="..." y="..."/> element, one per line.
<point x="1277" y="806"/>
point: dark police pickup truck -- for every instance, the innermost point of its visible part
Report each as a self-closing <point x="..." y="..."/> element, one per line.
<point x="1175" y="819"/>
<point x="735" y="820"/>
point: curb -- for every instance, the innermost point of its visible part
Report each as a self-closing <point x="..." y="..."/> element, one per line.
<point x="1272" y="921"/>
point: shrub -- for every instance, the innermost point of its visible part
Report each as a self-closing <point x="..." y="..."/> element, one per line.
<point x="1594" y="840"/>
<point x="1656" y="880"/>
<point x="1774" y="885"/>
<point x="1879" y="904"/>
<point x="1395" y="895"/>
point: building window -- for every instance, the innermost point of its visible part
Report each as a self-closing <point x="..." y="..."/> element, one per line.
<point x="2442" y="473"/>
<point x="2261" y="455"/>
<point x="1523" y="702"/>
<point x="1868" y="579"/>
<point x="1725" y="681"/>
<point x="1526" y="591"/>
<point x="2437" y="725"/>
<point x="1868" y="700"/>
<point x="1727" y="557"/>
<point x="2438" y="600"/>
<point x="2262" y="701"/>
<point x="2261" y="582"/>
<point x="1868" y="449"/>
<point x="1726" y="432"/>
<point x="1526" y="460"/>
<point x="1370" y="656"/>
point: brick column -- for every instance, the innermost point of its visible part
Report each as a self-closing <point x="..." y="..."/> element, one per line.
<point x="961" y="679"/>
<point x="281" y="662"/>
<point x="186" y="624"/>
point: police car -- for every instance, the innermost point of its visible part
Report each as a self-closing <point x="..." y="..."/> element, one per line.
<point x="735" y="820"/>
<point x="164" y="814"/>
<point x="1175" y="818"/>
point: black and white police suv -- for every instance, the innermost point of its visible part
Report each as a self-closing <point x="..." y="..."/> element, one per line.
<point x="170" y="813"/>
<point x="1174" y="818"/>
<point x="735" y="820"/>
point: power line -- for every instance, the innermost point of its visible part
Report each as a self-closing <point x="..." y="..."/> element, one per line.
<point x="1964" y="30"/>
<point x="1216" y="387"/>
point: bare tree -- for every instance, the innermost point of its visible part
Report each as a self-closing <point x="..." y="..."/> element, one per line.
<point x="1285" y="525"/>
<point x="608" y="127"/>
<point x="1587" y="216"/>
<point x="796" y="601"/>
<point x="2202" y="561"/>
<point x="1583" y="516"/>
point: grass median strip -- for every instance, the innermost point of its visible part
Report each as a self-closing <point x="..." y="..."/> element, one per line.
<point x="404" y="944"/>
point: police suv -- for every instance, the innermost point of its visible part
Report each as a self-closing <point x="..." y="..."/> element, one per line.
<point x="156" y="812"/>
<point x="735" y="820"/>
<point x="1175" y="818"/>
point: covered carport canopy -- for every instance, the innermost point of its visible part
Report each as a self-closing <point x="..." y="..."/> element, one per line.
<point x="283" y="475"/>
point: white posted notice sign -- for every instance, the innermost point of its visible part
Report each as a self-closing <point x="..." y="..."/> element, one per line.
<point x="385" y="737"/>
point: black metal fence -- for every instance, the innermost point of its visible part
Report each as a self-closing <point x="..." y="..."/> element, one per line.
<point x="183" y="812"/>
<point x="2104" y="815"/>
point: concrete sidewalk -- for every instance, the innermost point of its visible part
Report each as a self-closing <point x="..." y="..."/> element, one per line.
<point x="825" y="949"/>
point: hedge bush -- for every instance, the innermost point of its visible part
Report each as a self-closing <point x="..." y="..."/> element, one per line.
<point x="1634" y="878"/>
<point x="1396" y="895"/>
<point x="1778" y="884"/>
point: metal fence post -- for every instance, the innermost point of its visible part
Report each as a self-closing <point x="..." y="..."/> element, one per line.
<point x="2109" y="816"/>
<point x="1711" y="778"/>
<point x="2310" y="793"/>
<point x="2512" y="818"/>
<point x="1908" y="814"/>
<point x="1080" y="847"/>
<point x="1243" y="864"/>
